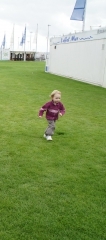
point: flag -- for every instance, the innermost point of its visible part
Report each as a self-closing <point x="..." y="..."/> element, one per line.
<point x="3" y="42"/>
<point x="21" y="43"/>
<point x="79" y="10"/>
<point x="23" y="38"/>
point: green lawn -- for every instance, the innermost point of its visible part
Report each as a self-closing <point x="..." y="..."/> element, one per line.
<point x="51" y="190"/>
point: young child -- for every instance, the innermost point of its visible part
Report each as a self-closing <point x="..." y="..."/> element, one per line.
<point x="52" y="109"/>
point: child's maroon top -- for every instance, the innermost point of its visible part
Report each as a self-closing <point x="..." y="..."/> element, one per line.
<point x="52" y="110"/>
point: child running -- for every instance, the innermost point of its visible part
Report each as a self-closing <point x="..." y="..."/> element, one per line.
<point x="53" y="109"/>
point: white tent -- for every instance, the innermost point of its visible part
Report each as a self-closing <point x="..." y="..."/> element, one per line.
<point x="4" y="54"/>
<point x="80" y="56"/>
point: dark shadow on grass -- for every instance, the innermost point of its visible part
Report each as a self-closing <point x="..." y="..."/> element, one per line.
<point x="26" y="135"/>
<point x="60" y="133"/>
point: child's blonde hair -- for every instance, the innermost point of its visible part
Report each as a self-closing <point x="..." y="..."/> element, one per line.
<point x="54" y="92"/>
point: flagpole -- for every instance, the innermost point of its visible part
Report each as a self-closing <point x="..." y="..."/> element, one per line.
<point x="47" y="40"/>
<point x="24" y="51"/>
<point x="24" y="40"/>
<point x="5" y="42"/>
<point x="36" y="37"/>
<point x="1" y="52"/>
<point x="13" y="37"/>
<point x="30" y="40"/>
<point x="83" y="26"/>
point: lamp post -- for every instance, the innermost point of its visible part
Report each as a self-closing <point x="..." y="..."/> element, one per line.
<point x="47" y="39"/>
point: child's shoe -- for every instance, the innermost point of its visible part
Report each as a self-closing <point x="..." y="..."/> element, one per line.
<point x="49" y="138"/>
<point x="45" y="136"/>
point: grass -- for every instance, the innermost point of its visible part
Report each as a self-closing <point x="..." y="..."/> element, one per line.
<point x="51" y="190"/>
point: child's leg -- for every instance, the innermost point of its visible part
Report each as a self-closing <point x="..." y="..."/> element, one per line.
<point x="51" y="127"/>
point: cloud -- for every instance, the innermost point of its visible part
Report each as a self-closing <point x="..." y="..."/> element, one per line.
<point x="54" y="12"/>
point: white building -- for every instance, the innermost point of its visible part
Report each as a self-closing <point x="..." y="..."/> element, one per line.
<point x="80" y="56"/>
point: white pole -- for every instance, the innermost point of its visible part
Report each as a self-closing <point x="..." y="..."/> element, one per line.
<point x="47" y="39"/>
<point x="24" y="43"/>
<point x="1" y="53"/>
<point x="13" y="37"/>
<point x="83" y="26"/>
<point x="30" y="40"/>
<point x="24" y="52"/>
<point x="36" y="37"/>
<point x="28" y="45"/>
<point x="18" y="43"/>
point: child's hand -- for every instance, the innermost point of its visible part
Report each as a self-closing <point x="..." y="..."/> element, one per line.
<point x="60" y="114"/>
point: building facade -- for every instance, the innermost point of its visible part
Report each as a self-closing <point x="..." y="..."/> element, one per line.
<point x="80" y="56"/>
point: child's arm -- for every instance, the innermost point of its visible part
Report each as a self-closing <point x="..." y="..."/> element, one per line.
<point x="62" y="110"/>
<point x="43" y="109"/>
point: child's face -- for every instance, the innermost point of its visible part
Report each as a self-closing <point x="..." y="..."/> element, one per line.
<point x="56" y="98"/>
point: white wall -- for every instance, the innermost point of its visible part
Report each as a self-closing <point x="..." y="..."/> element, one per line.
<point x="104" y="77"/>
<point x="84" y="61"/>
